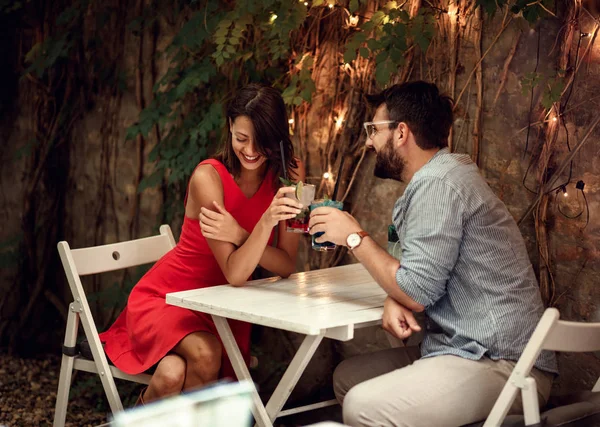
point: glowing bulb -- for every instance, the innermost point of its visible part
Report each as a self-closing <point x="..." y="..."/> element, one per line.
<point x="554" y="119"/>
<point x="326" y="175"/>
<point x="273" y="18"/>
<point x="353" y="21"/>
<point x="564" y="190"/>
<point x="338" y="122"/>
<point x="330" y="5"/>
<point x="305" y="3"/>
<point x="565" y="194"/>
<point x="452" y="10"/>
<point x="291" y="121"/>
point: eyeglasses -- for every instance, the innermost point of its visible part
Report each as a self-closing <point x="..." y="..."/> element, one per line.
<point x="371" y="127"/>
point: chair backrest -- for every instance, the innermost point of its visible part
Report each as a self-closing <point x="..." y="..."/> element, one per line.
<point x="558" y="335"/>
<point x="573" y="337"/>
<point x="549" y="334"/>
<point x="117" y="256"/>
<point x="101" y="259"/>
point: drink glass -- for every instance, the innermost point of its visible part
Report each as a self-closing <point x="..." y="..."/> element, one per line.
<point x="325" y="246"/>
<point x="305" y="194"/>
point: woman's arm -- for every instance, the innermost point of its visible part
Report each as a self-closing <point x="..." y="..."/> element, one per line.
<point x="237" y="264"/>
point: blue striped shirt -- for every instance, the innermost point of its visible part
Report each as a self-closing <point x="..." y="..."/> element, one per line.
<point x="464" y="259"/>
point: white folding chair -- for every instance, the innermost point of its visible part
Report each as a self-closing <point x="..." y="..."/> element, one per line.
<point x="550" y="334"/>
<point x="93" y="260"/>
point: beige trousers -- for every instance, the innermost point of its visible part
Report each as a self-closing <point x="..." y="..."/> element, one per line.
<point x="395" y="388"/>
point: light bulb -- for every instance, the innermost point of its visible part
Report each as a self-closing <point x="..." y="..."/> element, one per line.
<point x="338" y="122"/>
<point x="291" y="121"/>
<point x="273" y="18"/>
<point x="305" y="3"/>
<point x="330" y="5"/>
<point x="564" y="190"/>
<point x="326" y="175"/>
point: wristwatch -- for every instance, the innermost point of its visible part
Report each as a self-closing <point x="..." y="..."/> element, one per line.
<point x="354" y="239"/>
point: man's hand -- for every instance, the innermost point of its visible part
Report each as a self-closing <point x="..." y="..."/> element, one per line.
<point x="398" y="320"/>
<point x="336" y="225"/>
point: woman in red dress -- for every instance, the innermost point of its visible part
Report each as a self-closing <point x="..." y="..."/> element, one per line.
<point x="231" y="208"/>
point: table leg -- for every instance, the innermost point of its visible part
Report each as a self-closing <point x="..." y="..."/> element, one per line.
<point x="292" y="374"/>
<point x="241" y="370"/>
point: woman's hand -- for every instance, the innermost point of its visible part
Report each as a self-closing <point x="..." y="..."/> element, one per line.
<point x="398" y="320"/>
<point x="282" y="207"/>
<point x="221" y="226"/>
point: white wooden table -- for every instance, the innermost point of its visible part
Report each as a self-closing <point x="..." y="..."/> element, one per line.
<point x="328" y="303"/>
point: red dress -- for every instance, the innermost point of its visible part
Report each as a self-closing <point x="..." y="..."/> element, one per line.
<point x="148" y="328"/>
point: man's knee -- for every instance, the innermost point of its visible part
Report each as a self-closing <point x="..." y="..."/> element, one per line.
<point x="360" y="407"/>
<point x="342" y="379"/>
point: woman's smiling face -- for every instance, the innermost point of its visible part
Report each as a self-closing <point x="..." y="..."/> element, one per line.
<point x="243" y="143"/>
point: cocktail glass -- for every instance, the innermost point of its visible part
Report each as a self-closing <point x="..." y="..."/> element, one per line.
<point x="325" y="246"/>
<point x="305" y="194"/>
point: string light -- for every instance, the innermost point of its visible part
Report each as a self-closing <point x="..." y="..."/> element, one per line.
<point x="330" y="5"/>
<point x="326" y="175"/>
<point x="585" y="35"/>
<point x="554" y="119"/>
<point x="564" y="190"/>
<point x="272" y="18"/>
<point x="305" y="3"/>
<point x="338" y="122"/>
<point x="291" y="121"/>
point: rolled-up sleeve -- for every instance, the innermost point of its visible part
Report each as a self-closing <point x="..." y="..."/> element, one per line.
<point x="433" y="227"/>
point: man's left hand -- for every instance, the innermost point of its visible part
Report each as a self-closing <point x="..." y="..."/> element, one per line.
<point x="336" y="225"/>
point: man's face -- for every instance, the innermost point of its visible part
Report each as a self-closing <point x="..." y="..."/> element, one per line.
<point x="389" y="163"/>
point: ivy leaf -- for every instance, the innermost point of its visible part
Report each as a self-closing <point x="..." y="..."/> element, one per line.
<point x="151" y="181"/>
<point x="383" y="73"/>
<point x="373" y="44"/>
<point x="364" y="52"/>
<point x="349" y="55"/>
<point x="381" y="57"/>
<point x="553" y="93"/>
<point x="422" y="41"/>
<point x="353" y="6"/>
<point x="132" y="132"/>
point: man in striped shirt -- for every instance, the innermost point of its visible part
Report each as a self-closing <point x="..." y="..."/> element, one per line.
<point x="464" y="263"/>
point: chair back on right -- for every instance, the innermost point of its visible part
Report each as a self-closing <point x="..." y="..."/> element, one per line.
<point x="550" y="334"/>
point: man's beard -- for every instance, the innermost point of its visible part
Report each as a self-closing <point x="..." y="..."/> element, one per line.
<point x="388" y="163"/>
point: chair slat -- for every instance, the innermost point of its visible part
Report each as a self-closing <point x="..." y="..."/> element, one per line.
<point x="574" y="337"/>
<point x="116" y="256"/>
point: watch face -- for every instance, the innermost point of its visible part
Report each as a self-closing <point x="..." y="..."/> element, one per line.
<point x="353" y="240"/>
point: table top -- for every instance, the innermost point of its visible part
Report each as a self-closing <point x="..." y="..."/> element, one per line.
<point x="307" y="303"/>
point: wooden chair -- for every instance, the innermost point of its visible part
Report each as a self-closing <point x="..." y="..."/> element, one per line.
<point x="550" y="334"/>
<point x="93" y="260"/>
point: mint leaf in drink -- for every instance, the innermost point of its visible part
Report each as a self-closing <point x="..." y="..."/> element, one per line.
<point x="287" y="182"/>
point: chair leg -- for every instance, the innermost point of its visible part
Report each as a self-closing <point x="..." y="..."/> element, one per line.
<point x="531" y="406"/>
<point x="66" y="369"/>
<point x="502" y="405"/>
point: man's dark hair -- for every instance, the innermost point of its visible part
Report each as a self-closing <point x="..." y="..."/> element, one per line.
<point x="420" y="105"/>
